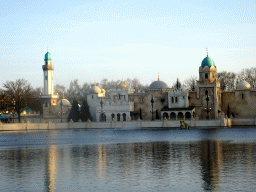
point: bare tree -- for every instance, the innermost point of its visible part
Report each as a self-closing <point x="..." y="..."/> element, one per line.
<point x="60" y="90"/>
<point x="21" y="92"/>
<point x="190" y="83"/>
<point x="74" y="91"/>
<point x="85" y="90"/>
<point x="227" y="80"/>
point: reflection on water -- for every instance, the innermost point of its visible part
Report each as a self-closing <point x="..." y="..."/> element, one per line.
<point x="207" y="164"/>
<point x="51" y="168"/>
<point x="211" y="162"/>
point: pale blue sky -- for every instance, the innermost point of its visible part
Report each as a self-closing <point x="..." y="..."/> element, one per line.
<point x="111" y="39"/>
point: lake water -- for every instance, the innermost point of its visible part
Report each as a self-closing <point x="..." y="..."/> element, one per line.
<point x="129" y="160"/>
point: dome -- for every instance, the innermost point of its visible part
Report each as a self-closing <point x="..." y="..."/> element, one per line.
<point x="122" y="86"/>
<point x="208" y="62"/>
<point x="65" y="103"/>
<point x="47" y="56"/>
<point x="243" y="85"/>
<point x="95" y="89"/>
<point x="158" y="85"/>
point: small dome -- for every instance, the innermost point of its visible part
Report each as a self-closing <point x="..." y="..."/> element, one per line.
<point x="47" y="56"/>
<point x="158" y="85"/>
<point x="208" y="62"/>
<point x="243" y="85"/>
<point x="122" y="86"/>
<point x="65" y="102"/>
<point x="95" y="89"/>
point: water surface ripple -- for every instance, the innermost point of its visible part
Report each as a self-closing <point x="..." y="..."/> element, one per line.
<point x="129" y="160"/>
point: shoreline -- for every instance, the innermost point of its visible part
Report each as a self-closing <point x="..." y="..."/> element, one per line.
<point x="205" y="124"/>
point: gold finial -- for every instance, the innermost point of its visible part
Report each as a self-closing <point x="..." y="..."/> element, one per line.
<point x="158" y="77"/>
<point x="94" y="82"/>
<point x="242" y="78"/>
<point x="207" y="51"/>
<point x="47" y="49"/>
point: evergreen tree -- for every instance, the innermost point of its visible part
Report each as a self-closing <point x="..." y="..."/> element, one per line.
<point x="85" y="112"/>
<point x="177" y="85"/>
<point x="74" y="113"/>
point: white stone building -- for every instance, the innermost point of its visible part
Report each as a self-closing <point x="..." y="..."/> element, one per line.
<point x="110" y="105"/>
<point x="178" y="105"/>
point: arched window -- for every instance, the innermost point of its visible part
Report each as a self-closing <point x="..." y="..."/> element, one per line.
<point x="113" y="116"/>
<point x="176" y="99"/>
<point x="242" y="96"/>
<point x="206" y="76"/>
<point x="118" y="117"/>
<point x="172" y="100"/>
<point x="124" y="117"/>
<point x="173" y="116"/>
<point x="180" y="115"/>
<point x="165" y="115"/>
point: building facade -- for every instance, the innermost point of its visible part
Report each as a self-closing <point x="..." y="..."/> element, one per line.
<point x="159" y="101"/>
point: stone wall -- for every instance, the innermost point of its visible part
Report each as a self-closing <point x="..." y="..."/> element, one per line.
<point x="112" y="125"/>
<point x="240" y="107"/>
<point x="143" y="101"/>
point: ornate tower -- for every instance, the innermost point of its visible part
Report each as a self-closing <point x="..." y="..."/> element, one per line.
<point x="48" y="96"/>
<point x="208" y="90"/>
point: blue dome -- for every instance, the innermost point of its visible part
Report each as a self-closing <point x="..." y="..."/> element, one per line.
<point x="47" y="56"/>
<point x="208" y="62"/>
<point x="158" y="85"/>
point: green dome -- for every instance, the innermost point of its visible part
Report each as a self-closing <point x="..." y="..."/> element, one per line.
<point x="208" y="62"/>
<point x="47" y="56"/>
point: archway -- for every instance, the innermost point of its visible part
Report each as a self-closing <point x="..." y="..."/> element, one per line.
<point x="118" y="117"/>
<point x="180" y="115"/>
<point x="172" y="116"/>
<point x="165" y="115"/>
<point x="102" y="117"/>
<point x="187" y="115"/>
<point x="124" y="117"/>
<point x="113" y="116"/>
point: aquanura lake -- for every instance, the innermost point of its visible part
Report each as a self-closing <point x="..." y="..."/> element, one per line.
<point x="220" y="159"/>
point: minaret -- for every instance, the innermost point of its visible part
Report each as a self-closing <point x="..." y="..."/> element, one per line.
<point x="48" y="94"/>
<point x="48" y="74"/>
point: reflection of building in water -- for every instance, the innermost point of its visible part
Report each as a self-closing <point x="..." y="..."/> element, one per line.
<point x="102" y="161"/>
<point x="50" y="174"/>
<point x="211" y="158"/>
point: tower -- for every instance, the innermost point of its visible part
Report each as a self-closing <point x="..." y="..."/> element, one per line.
<point x="208" y="90"/>
<point x="48" y="97"/>
<point x="48" y="74"/>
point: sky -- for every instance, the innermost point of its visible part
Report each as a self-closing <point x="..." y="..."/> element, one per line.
<point x="96" y="39"/>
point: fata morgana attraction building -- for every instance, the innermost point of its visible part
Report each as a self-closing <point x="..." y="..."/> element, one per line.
<point x="159" y="101"/>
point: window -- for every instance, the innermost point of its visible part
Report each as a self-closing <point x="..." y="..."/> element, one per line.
<point x="124" y="117"/>
<point x="206" y="76"/>
<point x="172" y="100"/>
<point x="242" y="95"/>
<point x="176" y="99"/>
<point x="118" y="117"/>
<point x="113" y="116"/>
<point x="92" y="96"/>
